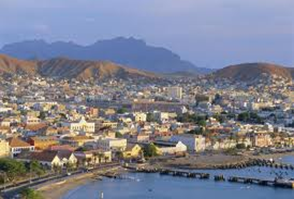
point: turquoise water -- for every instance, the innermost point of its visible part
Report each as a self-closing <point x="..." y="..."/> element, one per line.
<point x="155" y="186"/>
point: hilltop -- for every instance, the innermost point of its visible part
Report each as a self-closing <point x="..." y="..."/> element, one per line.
<point x="63" y="68"/>
<point x="250" y="72"/>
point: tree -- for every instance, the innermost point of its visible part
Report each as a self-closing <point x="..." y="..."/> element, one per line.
<point x="12" y="168"/>
<point x="150" y="117"/>
<point x="36" y="167"/>
<point x="118" y="135"/>
<point x="122" y="110"/>
<point x="29" y="193"/>
<point x="150" y="150"/>
<point x="42" y="115"/>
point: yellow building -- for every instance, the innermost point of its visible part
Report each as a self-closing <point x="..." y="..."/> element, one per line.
<point x="4" y="148"/>
<point x="132" y="151"/>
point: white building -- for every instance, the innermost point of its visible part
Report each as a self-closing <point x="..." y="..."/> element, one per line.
<point x="170" y="150"/>
<point x="116" y="144"/>
<point x="81" y="126"/>
<point x="193" y="142"/>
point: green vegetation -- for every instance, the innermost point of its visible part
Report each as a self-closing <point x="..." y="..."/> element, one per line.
<point x="118" y="135"/>
<point x="250" y="117"/>
<point x="35" y="167"/>
<point x="150" y="117"/>
<point x="42" y="115"/>
<point x="12" y="168"/>
<point x="241" y="146"/>
<point x="150" y="150"/>
<point x="193" y="118"/>
<point x="29" y="193"/>
<point x="122" y="110"/>
<point x="15" y="170"/>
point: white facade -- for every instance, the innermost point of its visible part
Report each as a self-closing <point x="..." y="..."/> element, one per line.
<point x="193" y="142"/>
<point x="112" y="144"/>
<point x="82" y="125"/>
<point x="180" y="147"/>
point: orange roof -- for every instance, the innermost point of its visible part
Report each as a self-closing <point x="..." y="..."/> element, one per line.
<point x="16" y="142"/>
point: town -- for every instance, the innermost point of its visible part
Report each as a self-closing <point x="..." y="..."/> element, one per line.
<point x="51" y="126"/>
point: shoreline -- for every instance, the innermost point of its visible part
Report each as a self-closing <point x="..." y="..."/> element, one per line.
<point x="58" y="190"/>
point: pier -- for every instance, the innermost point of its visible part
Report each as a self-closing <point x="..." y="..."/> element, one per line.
<point x="283" y="183"/>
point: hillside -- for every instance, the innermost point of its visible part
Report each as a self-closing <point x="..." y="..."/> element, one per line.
<point x="253" y="71"/>
<point x="67" y="68"/>
<point x="126" y="51"/>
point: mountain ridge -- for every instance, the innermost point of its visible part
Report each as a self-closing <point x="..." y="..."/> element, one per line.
<point x="130" y="52"/>
<point x="252" y="71"/>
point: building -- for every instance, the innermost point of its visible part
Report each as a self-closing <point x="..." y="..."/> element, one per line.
<point x="115" y="144"/>
<point x="168" y="148"/>
<point x="4" y="148"/>
<point x="261" y="139"/>
<point x="132" y="151"/>
<point x="81" y="126"/>
<point x="174" y="92"/>
<point x="51" y="158"/>
<point x="93" y="157"/>
<point x="43" y="142"/>
<point x="193" y="142"/>
<point x="76" y="141"/>
<point x="17" y="146"/>
<point x="140" y="117"/>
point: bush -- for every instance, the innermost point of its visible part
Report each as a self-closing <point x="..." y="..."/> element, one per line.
<point x="150" y="150"/>
<point x="31" y="194"/>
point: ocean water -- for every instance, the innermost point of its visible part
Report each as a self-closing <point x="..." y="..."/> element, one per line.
<point x="155" y="186"/>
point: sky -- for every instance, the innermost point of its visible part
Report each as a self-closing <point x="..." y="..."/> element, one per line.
<point x="209" y="33"/>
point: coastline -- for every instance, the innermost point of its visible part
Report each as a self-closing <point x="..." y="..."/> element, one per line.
<point x="57" y="190"/>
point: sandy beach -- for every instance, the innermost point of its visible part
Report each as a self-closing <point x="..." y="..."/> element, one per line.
<point x="59" y="189"/>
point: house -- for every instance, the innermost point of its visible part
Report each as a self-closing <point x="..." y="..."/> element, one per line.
<point x="139" y="117"/>
<point x="45" y="158"/>
<point x="93" y="157"/>
<point x="261" y="139"/>
<point x="168" y="148"/>
<point x="193" y="142"/>
<point x="132" y="151"/>
<point x="115" y="144"/>
<point x="17" y="146"/>
<point x="43" y="142"/>
<point x="76" y="141"/>
<point x="50" y="158"/>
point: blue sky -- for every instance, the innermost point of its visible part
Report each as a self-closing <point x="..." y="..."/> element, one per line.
<point x="209" y="33"/>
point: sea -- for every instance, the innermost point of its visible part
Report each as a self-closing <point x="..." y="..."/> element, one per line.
<point x="156" y="186"/>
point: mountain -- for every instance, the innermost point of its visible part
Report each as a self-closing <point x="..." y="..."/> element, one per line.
<point x="253" y="71"/>
<point x="67" y="68"/>
<point x="126" y="51"/>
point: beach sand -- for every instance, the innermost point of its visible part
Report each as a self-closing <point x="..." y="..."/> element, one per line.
<point x="57" y="190"/>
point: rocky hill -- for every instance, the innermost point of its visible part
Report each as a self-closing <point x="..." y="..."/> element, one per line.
<point x="249" y="72"/>
<point x="66" y="68"/>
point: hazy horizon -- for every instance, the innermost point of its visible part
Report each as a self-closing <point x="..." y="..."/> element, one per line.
<point x="213" y="33"/>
